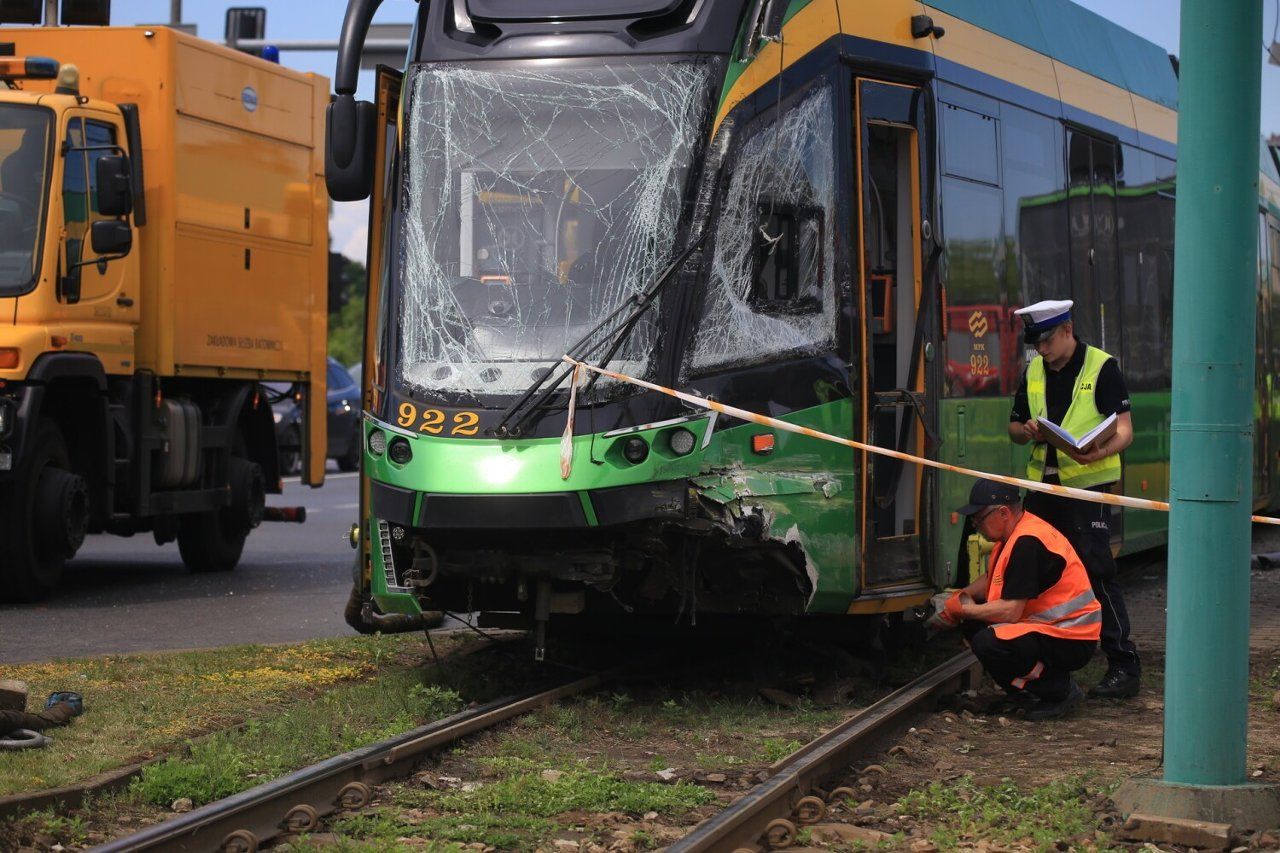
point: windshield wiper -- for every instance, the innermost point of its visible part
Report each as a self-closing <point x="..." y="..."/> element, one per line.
<point x="584" y="347"/>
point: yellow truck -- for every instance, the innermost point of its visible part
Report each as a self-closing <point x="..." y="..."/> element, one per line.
<point x="163" y="253"/>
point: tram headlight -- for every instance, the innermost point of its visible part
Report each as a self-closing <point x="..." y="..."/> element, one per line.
<point x="377" y="442"/>
<point x="681" y="441"/>
<point x="399" y="451"/>
<point x="635" y="450"/>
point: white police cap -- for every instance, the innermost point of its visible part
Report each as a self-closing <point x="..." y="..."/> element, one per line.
<point x="1043" y="317"/>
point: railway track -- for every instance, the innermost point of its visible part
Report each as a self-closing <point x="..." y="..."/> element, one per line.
<point x="297" y="802"/>
<point x="771" y="814"/>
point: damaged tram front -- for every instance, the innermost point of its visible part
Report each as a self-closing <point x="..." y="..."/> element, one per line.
<point x="642" y="184"/>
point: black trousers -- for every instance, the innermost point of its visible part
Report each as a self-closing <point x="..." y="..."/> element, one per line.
<point x="1087" y="527"/>
<point x="1034" y="662"/>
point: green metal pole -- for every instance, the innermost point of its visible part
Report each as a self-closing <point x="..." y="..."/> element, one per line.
<point x="1214" y="306"/>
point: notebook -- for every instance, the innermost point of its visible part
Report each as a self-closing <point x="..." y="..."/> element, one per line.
<point x="1064" y="440"/>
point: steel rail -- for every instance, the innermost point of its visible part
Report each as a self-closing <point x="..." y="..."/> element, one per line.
<point x="296" y="802"/>
<point x="768" y="807"/>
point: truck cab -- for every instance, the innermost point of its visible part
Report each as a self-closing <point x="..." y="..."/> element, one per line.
<point x="108" y="421"/>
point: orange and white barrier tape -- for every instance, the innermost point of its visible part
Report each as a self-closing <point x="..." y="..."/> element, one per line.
<point x="566" y="440"/>
<point x="765" y="420"/>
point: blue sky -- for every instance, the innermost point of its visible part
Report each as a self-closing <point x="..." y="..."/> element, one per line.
<point x="292" y="20"/>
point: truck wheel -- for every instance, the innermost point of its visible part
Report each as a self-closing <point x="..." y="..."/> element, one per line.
<point x="213" y="541"/>
<point x="44" y="514"/>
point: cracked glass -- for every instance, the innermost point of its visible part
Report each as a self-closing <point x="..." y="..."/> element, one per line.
<point x="770" y="291"/>
<point x="535" y="202"/>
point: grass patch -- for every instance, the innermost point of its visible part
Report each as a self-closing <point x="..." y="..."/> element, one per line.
<point x="139" y="705"/>
<point x="515" y="813"/>
<point x="580" y="790"/>
<point x="691" y="730"/>
<point x="340" y="720"/>
<point x="382" y="830"/>
<point x="776" y="749"/>
<point x="45" y="828"/>
<point x="1040" y="817"/>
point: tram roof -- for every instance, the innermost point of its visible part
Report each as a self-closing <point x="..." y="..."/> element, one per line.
<point x="1075" y="36"/>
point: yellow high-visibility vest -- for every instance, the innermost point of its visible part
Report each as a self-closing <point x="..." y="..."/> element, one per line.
<point x="1082" y="416"/>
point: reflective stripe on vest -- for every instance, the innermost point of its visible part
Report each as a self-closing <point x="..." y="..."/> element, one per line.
<point x="1082" y="416"/>
<point x="1068" y="609"/>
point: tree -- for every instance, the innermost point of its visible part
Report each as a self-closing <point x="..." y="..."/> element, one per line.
<point x="346" y="309"/>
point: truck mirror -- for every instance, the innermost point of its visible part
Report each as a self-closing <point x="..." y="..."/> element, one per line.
<point x="111" y="237"/>
<point x="350" y="126"/>
<point x="115" y="195"/>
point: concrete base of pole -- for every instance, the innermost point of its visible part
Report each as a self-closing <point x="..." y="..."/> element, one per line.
<point x="1244" y="807"/>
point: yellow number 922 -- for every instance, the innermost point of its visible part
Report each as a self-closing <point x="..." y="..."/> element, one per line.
<point x="432" y="421"/>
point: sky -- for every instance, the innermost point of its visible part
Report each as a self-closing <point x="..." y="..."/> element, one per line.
<point x="294" y="20"/>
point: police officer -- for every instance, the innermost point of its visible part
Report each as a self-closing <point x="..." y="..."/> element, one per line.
<point x="1077" y="386"/>
<point x="1032" y="618"/>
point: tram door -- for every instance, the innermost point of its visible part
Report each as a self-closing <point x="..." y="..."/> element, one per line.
<point x="895" y="333"/>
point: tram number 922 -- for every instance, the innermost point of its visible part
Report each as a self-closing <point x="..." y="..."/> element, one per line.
<point x="435" y="422"/>
<point x="979" y="365"/>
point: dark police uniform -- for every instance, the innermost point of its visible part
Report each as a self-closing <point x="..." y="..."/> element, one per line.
<point x="1086" y="525"/>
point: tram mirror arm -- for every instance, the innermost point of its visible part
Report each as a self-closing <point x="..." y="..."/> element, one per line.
<point x="350" y="125"/>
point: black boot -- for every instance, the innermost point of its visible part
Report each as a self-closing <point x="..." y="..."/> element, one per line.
<point x="1054" y="710"/>
<point x="1116" y="684"/>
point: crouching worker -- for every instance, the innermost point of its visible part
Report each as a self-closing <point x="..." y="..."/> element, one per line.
<point x="1032" y="619"/>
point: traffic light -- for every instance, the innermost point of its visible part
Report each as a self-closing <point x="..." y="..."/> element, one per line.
<point x="90" y="13"/>
<point x="93" y="13"/>
<point x="244" y="22"/>
<point x="21" y="11"/>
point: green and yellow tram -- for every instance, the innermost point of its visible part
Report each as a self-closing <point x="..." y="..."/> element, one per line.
<point x="820" y="210"/>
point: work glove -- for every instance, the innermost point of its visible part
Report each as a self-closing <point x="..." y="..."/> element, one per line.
<point x="946" y="611"/>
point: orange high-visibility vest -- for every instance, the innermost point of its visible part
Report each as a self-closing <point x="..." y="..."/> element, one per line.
<point x="1068" y="609"/>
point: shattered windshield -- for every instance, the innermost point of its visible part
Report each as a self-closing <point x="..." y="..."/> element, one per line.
<point x="771" y="291"/>
<point x="537" y="200"/>
<point x="24" y="166"/>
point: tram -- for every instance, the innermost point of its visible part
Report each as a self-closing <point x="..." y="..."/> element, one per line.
<point x="824" y="211"/>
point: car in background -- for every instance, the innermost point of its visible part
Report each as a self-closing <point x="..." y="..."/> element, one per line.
<point x="356" y="370"/>
<point x="344" y="421"/>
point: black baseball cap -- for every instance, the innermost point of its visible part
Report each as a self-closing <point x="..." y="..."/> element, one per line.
<point x="987" y="493"/>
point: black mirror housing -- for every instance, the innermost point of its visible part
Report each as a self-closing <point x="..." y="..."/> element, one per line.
<point x="111" y="237"/>
<point x="115" y="192"/>
<point x="350" y="128"/>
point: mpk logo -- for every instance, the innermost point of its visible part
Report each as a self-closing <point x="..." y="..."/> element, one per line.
<point x="978" y="324"/>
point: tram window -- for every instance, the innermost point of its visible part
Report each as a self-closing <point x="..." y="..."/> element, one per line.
<point x="1144" y="219"/>
<point x="769" y="287"/>
<point x="1034" y="214"/>
<point x="970" y="148"/>
<point x="979" y="356"/>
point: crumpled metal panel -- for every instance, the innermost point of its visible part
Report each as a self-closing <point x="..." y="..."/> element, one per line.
<point x="726" y="486"/>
